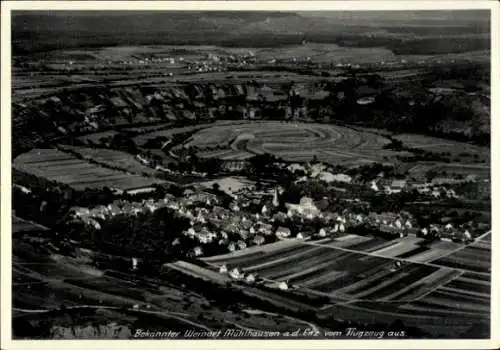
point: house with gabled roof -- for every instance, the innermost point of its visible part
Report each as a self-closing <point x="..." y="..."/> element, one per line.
<point x="283" y="232"/>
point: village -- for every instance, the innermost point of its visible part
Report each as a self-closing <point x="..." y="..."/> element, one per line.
<point x="250" y="216"/>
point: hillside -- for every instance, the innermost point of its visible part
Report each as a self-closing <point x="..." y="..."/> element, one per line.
<point x="454" y="113"/>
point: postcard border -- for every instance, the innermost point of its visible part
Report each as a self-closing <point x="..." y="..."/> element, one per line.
<point x="5" y="190"/>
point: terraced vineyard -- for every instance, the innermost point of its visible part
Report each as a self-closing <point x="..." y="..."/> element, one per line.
<point x="291" y="141"/>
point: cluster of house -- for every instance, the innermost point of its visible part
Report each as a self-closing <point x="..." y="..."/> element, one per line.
<point x="211" y="63"/>
<point x="333" y="223"/>
<point x="92" y="216"/>
<point x="205" y="67"/>
<point x="148" y="60"/>
<point x="250" y="278"/>
<point x="318" y="171"/>
<point x="218" y="63"/>
<point x="210" y="222"/>
<point x="231" y="229"/>
<point x="449" y="232"/>
<point x="391" y="186"/>
<point x="252" y="218"/>
<point x="438" y="188"/>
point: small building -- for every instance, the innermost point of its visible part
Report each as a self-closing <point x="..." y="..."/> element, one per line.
<point x="398" y="224"/>
<point x="365" y="100"/>
<point x="280" y="217"/>
<point x="329" y="177"/>
<point x="250" y="278"/>
<point x="283" y="232"/>
<point x="467" y="236"/>
<point x="241" y="244"/>
<point x="283" y="286"/>
<point x="191" y="232"/>
<point x="235" y="273"/>
<point x="198" y="251"/>
<point x="264" y="210"/>
<point x="266" y="229"/>
<point x="305" y="208"/>
<point x="258" y="240"/>
<point x="374" y="186"/>
<point x="398" y="185"/>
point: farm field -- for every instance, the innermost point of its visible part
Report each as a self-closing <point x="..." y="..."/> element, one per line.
<point x="479" y="55"/>
<point x="291" y="141"/>
<point x="322" y="267"/>
<point x="371" y="283"/>
<point x="476" y="257"/>
<point x="419" y="169"/>
<point x="326" y="53"/>
<point x="64" y="168"/>
<point x="116" y="159"/>
<point x="468" y="293"/>
<point x="406" y="248"/>
<point x="483" y="171"/>
<point x="439" y="145"/>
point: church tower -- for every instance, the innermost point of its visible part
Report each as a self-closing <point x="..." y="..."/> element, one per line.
<point x="276" y="201"/>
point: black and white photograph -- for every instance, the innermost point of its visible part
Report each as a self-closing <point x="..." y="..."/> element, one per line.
<point x="235" y="174"/>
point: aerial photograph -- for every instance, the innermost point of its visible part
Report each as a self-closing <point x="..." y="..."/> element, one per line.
<point x="251" y="174"/>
